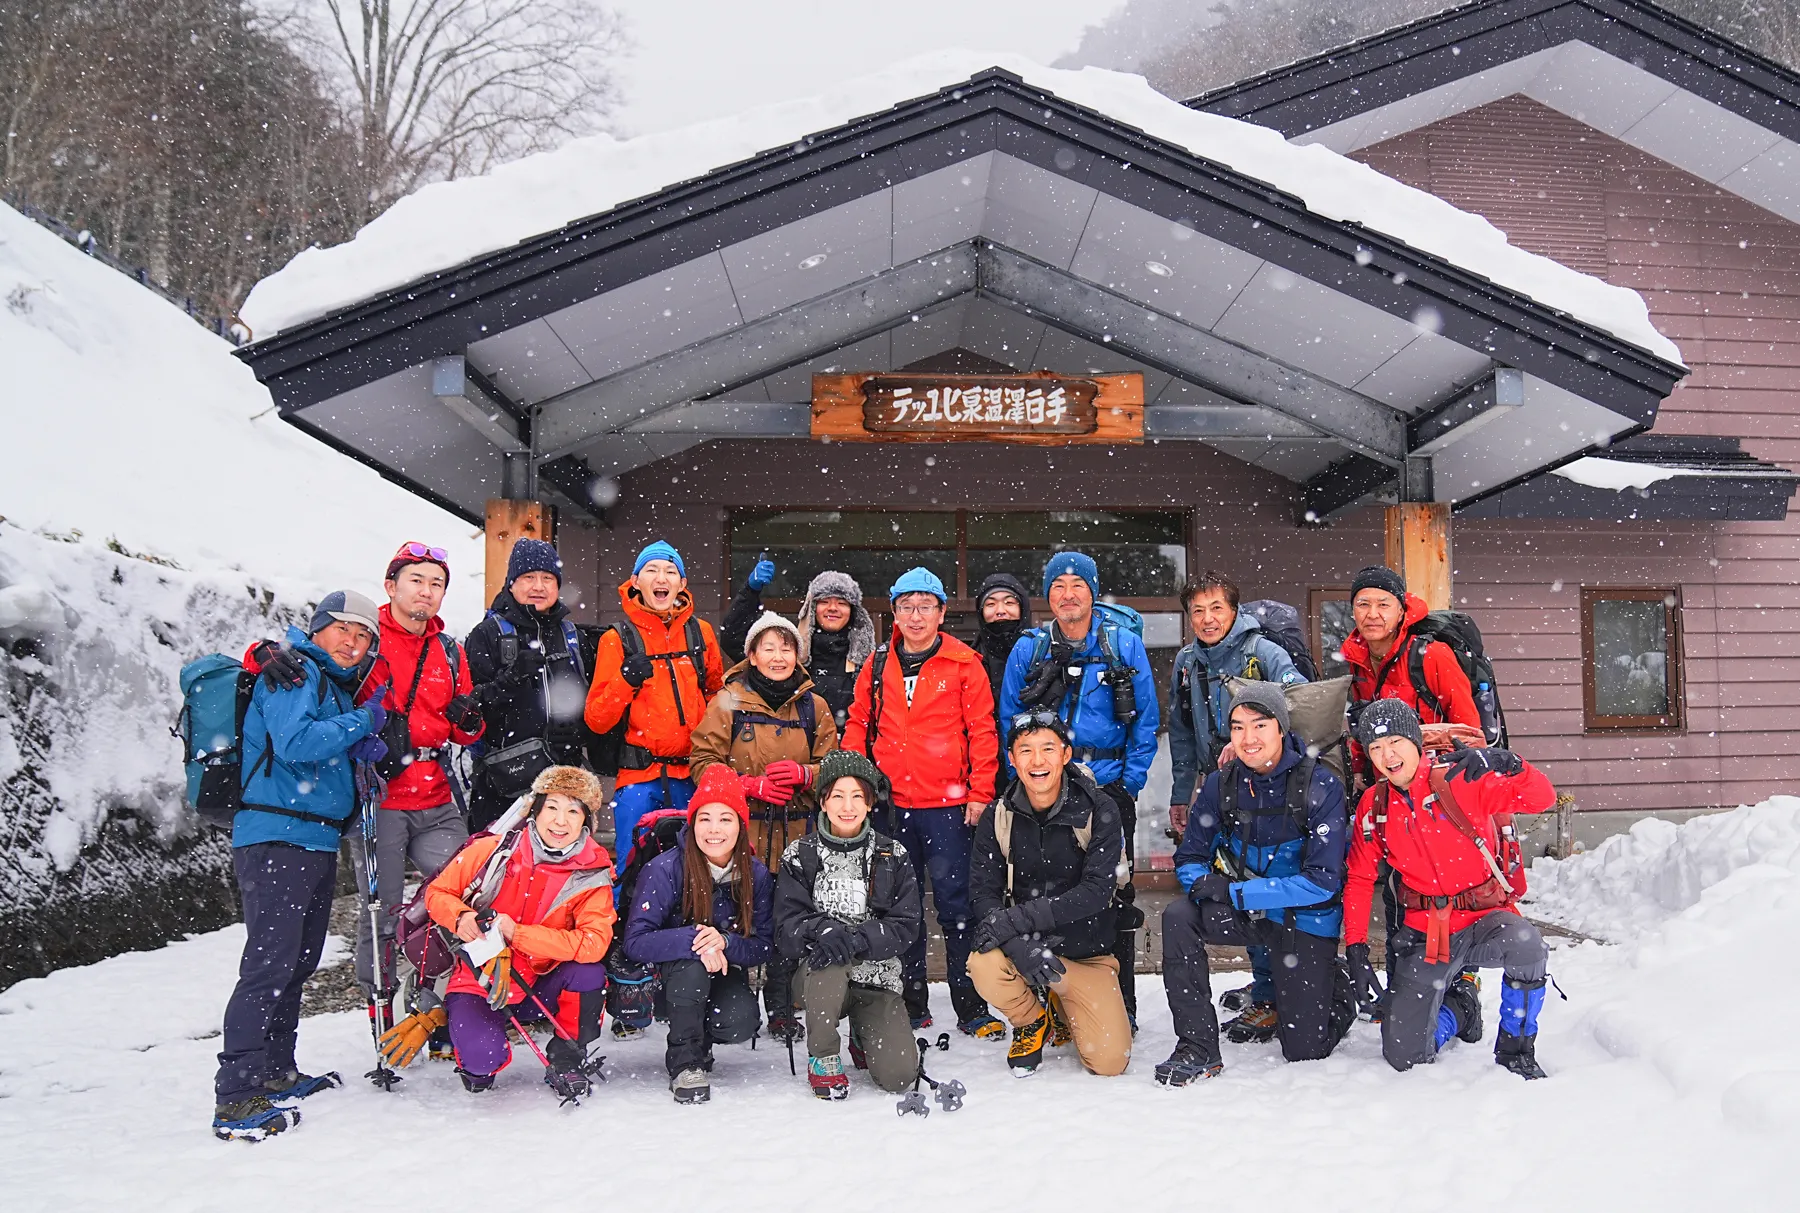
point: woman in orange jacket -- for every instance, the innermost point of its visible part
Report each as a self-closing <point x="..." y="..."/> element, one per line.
<point x="545" y="887"/>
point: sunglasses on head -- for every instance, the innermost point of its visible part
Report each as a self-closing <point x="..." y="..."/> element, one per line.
<point x="1037" y="718"/>
<point x="421" y="552"/>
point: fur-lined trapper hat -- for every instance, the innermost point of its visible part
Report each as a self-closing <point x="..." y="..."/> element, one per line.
<point x="572" y="782"/>
<point x="832" y="584"/>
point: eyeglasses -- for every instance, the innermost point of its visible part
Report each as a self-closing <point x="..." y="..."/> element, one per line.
<point x="421" y="552"/>
<point x="918" y="609"/>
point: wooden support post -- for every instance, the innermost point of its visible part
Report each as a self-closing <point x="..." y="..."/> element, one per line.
<point x="507" y="522"/>
<point x="1418" y="548"/>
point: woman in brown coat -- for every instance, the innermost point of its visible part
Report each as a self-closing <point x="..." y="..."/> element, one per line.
<point x="769" y="726"/>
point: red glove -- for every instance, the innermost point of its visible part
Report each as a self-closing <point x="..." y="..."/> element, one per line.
<point x="790" y="772"/>
<point x="766" y="788"/>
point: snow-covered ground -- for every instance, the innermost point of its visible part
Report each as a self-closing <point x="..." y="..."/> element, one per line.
<point x="1675" y="1084"/>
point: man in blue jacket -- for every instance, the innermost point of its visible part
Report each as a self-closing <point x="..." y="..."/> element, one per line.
<point x="1262" y="863"/>
<point x="1228" y="643"/>
<point x="1096" y="676"/>
<point x="300" y="747"/>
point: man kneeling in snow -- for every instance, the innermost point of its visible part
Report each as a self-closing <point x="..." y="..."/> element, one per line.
<point x="1446" y="832"/>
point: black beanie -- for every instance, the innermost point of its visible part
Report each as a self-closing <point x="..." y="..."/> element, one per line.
<point x="532" y="556"/>
<point x="1379" y="577"/>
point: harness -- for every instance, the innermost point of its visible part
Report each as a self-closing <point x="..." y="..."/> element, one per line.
<point x="1109" y="658"/>
<point x="631" y="641"/>
<point x="1494" y="893"/>
<point x="1296" y="804"/>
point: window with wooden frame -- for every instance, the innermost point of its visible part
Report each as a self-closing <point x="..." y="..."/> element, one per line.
<point x="1329" y="615"/>
<point x="1631" y="658"/>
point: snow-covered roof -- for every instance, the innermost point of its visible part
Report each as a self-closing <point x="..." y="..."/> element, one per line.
<point x="446" y="224"/>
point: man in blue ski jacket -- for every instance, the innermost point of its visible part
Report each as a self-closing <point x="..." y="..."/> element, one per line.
<point x="1262" y="863"/>
<point x="1095" y="675"/>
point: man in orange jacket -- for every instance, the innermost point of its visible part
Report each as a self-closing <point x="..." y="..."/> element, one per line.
<point x="656" y="671"/>
<point x="928" y="724"/>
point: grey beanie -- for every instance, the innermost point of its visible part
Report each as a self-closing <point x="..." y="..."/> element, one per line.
<point x="1265" y="697"/>
<point x="1389" y="718"/>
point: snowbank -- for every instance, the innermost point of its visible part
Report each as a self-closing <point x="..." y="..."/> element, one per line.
<point x="448" y="223"/>
<point x="124" y="419"/>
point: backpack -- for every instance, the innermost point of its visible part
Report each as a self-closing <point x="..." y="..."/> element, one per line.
<point x="1318" y="716"/>
<point x="1120" y="617"/>
<point x="429" y="951"/>
<point x="1084" y="834"/>
<point x="655" y="833"/>
<point x="1281" y="623"/>
<point x="613" y="752"/>
<point x="1506" y="881"/>
<point x="1296" y="803"/>
<point x="1461" y="635"/>
<point x="808" y="720"/>
<point x="215" y="695"/>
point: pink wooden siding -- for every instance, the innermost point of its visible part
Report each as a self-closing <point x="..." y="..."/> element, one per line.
<point x="1722" y="278"/>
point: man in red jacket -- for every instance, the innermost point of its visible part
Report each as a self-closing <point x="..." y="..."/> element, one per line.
<point x="1447" y="834"/>
<point x="430" y="703"/>
<point x="1377" y="653"/>
<point x="929" y="726"/>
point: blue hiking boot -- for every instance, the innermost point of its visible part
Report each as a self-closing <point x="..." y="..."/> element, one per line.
<point x="1185" y="1066"/>
<point x="252" y="1119"/>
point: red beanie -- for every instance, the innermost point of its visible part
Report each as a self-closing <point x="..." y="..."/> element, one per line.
<point x="719" y="785"/>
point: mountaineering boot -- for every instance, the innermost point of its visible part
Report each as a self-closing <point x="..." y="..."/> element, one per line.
<point x="1236" y="1000"/>
<point x="1027" y="1048"/>
<point x="1060" y="1032"/>
<point x="827" y="1078"/>
<point x="920" y="1021"/>
<point x="1463" y="999"/>
<point x="691" y="1086"/>
<point x="1255" y="1025"/>
<point x="1187" y="1064"/>
<point x="982" y="1027"/>
<point x="475" y="1084"/>
<point x="294" y="1085"/>
<point x="567" y="1074"/>
<point x="1518" y="1054"/>
<point x="252" y="1119"/>
<point x="438" y="1048"/>
<point x="622" y="1031"/>
<point x="783" y="1029"/>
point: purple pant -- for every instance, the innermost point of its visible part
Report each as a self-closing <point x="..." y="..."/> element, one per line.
<point x="478" y="1032"/>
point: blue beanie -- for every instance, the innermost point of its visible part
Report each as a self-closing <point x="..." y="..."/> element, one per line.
<point x="918" y="581"/>
<point x="658" y="551"/>
<point x="533" y="556"/>
<point x="1081" y="565"/>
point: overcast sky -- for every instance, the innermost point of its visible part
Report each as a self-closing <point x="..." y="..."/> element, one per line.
<point x="698" y="59"/>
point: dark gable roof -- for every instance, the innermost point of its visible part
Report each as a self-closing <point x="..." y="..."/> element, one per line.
<point x="1409" y="59"/>
<point x="1718" y="482"/>
<point x="445" y="312"/>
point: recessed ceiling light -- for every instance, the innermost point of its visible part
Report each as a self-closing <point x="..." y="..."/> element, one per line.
<point x="1159" y="269"/>
<point x="813" y="262"/>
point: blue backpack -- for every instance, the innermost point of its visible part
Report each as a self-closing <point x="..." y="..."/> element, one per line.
<point x="215" y="694"/>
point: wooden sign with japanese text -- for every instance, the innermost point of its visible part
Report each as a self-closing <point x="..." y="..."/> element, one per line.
<point x="1039" y="408"/>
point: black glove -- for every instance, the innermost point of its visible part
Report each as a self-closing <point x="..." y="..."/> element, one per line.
<point x="1214" y="886"/>
<point x="1048" y="685"/>
<point x="1028" y="918"/>
<point x="982" y="938"/>
<point x="1472" y="762"/>
<point x="636" y="670"/>
<point x="525" y="667"/>
<point x="281" y="666"/>
<point x="464" y="713"/>
<point x="1363" y="982"/>
<point x="1035" y="960"/>
<point x="835" y="944"/>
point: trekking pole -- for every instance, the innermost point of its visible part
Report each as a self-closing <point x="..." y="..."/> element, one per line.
<point x="569" y="1092"/>
<point x="370" y="785"/>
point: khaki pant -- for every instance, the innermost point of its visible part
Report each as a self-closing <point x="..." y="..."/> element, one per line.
<point x="1090" y="998"/>
<point x="878" y="1020"/>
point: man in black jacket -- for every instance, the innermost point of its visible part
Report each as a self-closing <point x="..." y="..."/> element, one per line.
<point x="1041" y="886"/>
<point x="530" y="665"/>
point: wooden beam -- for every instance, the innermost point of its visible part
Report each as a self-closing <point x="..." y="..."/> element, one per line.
<point x="1418" y="548"/>
<point x="507" y="522"/>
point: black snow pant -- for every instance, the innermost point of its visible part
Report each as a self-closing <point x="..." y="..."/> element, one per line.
<point x="705" y="1009"/>
<point x="287" y="908"/>
<point x="1498" y="939"/>
<point x="1304" y="968"/>
<point x="1127" y="916"/>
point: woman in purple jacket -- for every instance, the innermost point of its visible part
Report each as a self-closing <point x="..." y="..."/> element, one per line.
<point x="702" y="913"/>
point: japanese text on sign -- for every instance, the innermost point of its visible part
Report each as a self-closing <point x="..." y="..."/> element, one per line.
<point x="1026" y="405"/>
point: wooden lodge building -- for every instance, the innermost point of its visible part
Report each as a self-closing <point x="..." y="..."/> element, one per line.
<point x="1027" y="310"/>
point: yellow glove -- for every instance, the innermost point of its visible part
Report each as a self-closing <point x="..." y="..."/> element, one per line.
<point x="402" y="1042"/>
<point x="497" y="979"/>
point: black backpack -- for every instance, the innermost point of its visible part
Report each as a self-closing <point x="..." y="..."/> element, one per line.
<point x="608" y="754"/>
<point x="1460" y="633"/>
<point x="1282" y="624"/>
